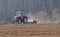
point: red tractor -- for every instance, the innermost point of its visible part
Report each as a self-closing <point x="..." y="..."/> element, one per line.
<point x="21" y="18"/>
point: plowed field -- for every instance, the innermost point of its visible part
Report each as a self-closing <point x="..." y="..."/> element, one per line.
<point x="29" y="30"/>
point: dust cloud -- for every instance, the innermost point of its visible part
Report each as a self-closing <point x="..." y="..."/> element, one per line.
<point x="42" y="16"/>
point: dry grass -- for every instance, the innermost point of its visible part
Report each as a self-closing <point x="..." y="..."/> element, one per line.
<point x="29" y="30"/>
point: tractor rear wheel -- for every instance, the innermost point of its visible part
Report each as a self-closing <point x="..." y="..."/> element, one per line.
<point x="25" y="20"/>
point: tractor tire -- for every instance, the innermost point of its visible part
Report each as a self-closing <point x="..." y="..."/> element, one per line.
<point x="25" y="20"/>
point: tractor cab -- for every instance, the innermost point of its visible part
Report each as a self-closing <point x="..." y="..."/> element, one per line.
<point x="20" y="13"/>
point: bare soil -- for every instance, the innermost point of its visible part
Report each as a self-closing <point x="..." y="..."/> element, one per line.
<point x="29" y="30"/>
